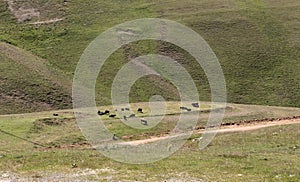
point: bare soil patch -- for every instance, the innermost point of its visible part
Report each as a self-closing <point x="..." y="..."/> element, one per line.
<point x="22" y="13"/>
<point x="27" y="11"/>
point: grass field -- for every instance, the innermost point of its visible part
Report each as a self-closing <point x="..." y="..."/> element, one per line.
<point x="265" y="154"/>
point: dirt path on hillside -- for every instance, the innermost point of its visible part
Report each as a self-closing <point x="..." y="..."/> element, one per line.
<point x="46" y="21"/>
<point x="223" y="129"/>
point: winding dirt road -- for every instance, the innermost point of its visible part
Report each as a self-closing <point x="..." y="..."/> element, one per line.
<point x="223" y="129"/>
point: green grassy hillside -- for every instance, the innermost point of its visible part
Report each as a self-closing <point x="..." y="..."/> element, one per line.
<point x="28" y="85"/>
<point x="257" y="43"/>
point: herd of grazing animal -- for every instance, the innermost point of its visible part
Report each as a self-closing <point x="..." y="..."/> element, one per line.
<point x="139" y="110"/>
<point x="195" y="105"/>
<point x="107" y="112"/>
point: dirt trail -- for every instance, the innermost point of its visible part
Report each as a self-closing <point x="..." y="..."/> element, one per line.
<point x="223" y="129"/>
<point x="46" y="21"/>
<point x="255" y="126"/>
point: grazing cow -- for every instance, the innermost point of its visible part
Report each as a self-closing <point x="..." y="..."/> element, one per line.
<point x="55" y="114"/>
<point x="144" y="122"/>
<point x="127" y="109"/>
<point x="197" y="139"/>
<point x="122" y="109"/>
<point x="131" y="115"/>
<point x="101" y="113"/>
<point x="195" y="105"/>
<point x="112" y="115"/>
<point x="115" y="137"/>
<point x="183" y="108"/>
<point x="140" y="110"/>
<point x="125" y="118"/>
<point x="106" y="112"/>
